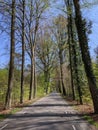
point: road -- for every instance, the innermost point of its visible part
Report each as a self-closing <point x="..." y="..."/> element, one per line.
<point x="49" y="113"/>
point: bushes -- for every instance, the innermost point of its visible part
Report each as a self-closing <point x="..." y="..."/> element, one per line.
<point x="16" y="87"/>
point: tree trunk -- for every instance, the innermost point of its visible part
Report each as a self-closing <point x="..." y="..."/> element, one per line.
<point x="34" y="91"/>
<point x="59" y="86"/>
<point x="46" y="81"/>
<point x="75" y="66"/>
<point x="61" y="73"/>
<point x="35" y="84"/>
<point x="31" y="81"/>
<point x="70" y="60"/>
<point x="67" y="3"/>
<point x="23" y="52"/>
<point x="83" y="41"/>
<point x="12" y="55"/>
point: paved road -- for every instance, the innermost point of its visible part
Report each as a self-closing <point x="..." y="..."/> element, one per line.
<point x="49" y="113"/>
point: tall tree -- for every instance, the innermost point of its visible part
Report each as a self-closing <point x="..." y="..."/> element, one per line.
<point x="12" y="53"/>
<point x="36" y="9"/>
<point x="30" y="43"/>
<point x="83" y="41"/>
<point x="45" y="56"/>
<point x="60" y="35"/>
<point x="23" y="50"/>
<point x="74" y="51"/>
<point x="67" y="3"/>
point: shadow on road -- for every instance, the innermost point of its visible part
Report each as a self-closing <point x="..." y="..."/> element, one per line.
<point x="51" y="105"/>
<point x="49" y="113"/>
<point x="45" y="114"/>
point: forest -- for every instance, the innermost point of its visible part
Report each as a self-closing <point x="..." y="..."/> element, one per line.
<point x="43" y="53"/>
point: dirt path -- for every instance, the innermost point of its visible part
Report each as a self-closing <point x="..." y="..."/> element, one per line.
<point x="48" y="113"/>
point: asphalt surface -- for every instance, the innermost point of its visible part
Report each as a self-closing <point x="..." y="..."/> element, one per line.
<point x="49" y="113"/>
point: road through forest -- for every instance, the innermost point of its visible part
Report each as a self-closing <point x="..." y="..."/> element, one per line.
<point x="49" y="113"/>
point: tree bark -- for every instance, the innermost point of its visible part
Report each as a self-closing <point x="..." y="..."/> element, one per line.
<point x="12" y="55"/>
<point x="32" y="92"/>
<point x="35" y="86"/>
<point x="23" y="51"/>
<point x="70" y="60"/>
<point x="67" y="3"/>
<point x="83" y="41"/>
<point x="31" y="81"/>
<point x="46" y="79"/>
<point x="34" y="74"/>
<point x="61" y="72"/>
<point x="75" y="63"/>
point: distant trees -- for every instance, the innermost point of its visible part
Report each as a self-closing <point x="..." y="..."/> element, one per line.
<point x="60" y="35"/>
<point x="46" y="56"/>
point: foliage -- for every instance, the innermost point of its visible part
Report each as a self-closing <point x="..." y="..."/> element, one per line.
<point x="16" y="88"/>
<point x="91" y="121"/>
<point x="3" y="84"/>
<point x="95" y="68"/>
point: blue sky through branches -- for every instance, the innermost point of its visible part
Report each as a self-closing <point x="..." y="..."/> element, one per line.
<point x="90" y="13"/>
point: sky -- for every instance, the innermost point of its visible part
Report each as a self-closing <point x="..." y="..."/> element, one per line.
<point x="90" y="13"/>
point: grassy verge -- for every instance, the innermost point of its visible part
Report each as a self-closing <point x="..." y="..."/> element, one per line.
<point x="86" y="110"/>
<point x="91" y="121"/>
<point x="5" y="113"/>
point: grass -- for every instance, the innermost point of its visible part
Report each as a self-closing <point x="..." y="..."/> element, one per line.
<point x="13" y="111"/>
<point x="4" y="114"/>
<point x="86" y="110"/>
<point x="90" y="120"/>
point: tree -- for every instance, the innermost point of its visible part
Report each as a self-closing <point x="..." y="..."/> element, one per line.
<point x="69" y="16"/>
<point x="23" y="50"/>
<point x="74" y="50"/>
<point x="83" y="41"/>
<point x="36" y="9"/>
<point x="12" y="53"/>
<point x="60" y="36"/>
<point x="45" y="56"/>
